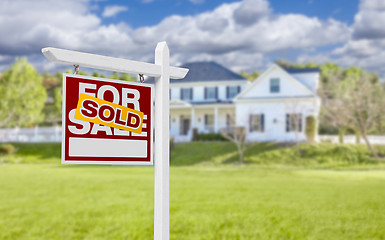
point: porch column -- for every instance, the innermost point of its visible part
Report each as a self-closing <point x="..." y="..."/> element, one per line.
<point x="216" y="127"/>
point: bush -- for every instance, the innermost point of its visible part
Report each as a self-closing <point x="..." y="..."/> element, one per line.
<point x="172" y="143"/>
<point x="311" y="128"/>
<point x="7" y="149"/>
<point x="209" y="137"/>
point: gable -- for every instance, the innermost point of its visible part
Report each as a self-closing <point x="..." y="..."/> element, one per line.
<point x="288" y="86"/>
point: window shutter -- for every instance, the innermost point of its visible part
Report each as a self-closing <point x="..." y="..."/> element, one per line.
<point x="181" y="94"/>
<point x="300" y="122"/>
<point x="287" y="122"/>
<point x="191" y="93"/>
<point x="206" y="119"/>
<point x="251" y="123"/>
<point x="216" y="92"/>
<point x="205" y="92"/>
<point x="238" y="89"/>
<point x="262" y="123"/>
<point x="227" y="92"/>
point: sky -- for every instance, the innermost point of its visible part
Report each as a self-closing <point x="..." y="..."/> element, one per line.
<point x="245" y="35"/>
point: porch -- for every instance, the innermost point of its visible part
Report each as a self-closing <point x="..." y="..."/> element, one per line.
<point x="207" y="118"/>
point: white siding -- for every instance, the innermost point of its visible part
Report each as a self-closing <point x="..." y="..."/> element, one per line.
<point x="275" y="119"/>
<point x="288" y="87"/>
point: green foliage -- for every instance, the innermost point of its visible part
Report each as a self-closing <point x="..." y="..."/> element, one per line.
<point x="95" y="74"/>
<point x="286" y="64"/>
<point x="22" y="95"/>
<point x="323" y="155"/>
<point x="341" y="133"/>
<point x="35" y="153"/>
<point x="209" y="137"/>
<point x="114" y="75"/>
<point x="7" y="148"/>
<point x="311" y="128"/>
<point x="46" y="201"/>
<point x="127" y="77"/>
<point x="251" y="77"/>
<point x="58" y="100"/>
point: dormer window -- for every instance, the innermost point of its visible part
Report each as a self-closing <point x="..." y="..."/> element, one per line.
<point x="274" y="85"/>
<point x="211" y="93"/>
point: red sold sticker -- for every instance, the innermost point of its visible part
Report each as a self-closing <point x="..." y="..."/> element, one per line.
<point x="106" y="121"/>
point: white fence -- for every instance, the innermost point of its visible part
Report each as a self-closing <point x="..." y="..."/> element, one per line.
<point x="373" y="139"/>
<point x="54" y="134"/>
<point x="36" y="134"/>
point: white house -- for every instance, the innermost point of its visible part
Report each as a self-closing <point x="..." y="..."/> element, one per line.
<point x="272" y="108"/>
<point x="275" y="106"/>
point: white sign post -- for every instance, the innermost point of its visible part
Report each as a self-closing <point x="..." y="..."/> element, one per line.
<point x="162" y="71"/>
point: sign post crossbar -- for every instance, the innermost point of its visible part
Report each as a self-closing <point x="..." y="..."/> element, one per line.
<point x="162" y="71"/>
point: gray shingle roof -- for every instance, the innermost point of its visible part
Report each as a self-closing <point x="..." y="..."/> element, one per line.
<point x="205" y="72"/>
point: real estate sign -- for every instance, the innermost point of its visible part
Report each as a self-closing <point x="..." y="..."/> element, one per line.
<point x="106" y="121"/>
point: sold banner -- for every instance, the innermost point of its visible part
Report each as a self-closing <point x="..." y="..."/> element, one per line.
<point x="106" y="121"/>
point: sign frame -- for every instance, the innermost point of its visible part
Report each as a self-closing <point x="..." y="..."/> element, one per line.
<point x="162" y="71"/>
<point x="102" y="162"/>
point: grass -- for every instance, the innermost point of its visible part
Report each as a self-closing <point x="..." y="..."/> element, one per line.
<point x="50" y="201"/>
<point x="272" y="155"/>
<point x="320" y="156"/>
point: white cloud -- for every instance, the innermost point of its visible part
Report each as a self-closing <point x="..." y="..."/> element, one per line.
<point x="197" y="1"/>
<point x="366" y="46"/>
<point x="113" y="10"/>
<point x="240" y="35"/>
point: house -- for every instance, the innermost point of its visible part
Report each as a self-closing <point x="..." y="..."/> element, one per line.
<point x="271" y="108"/>
<point x="276" y="105"/>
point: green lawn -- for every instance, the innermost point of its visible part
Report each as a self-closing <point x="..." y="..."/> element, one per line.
<point x="212" y="154"/>
<point x="50" y="201"/>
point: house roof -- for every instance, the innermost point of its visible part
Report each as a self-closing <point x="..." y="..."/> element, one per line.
<point x="263" y="75"/>
<point x="301" y="70"/>
<point x="205" y="72"/>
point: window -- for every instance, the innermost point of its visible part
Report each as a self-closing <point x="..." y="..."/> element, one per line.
<point x="211" y="93"/>
<point x="209" y="122"/>
<point x="186" y="93"/>
<point x="232" y="91"/>
<point x="274" y="85"/>
<point x="294" y="122"/>
<point x="257" y="123"/>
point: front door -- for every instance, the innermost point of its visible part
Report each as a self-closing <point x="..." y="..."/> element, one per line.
<point x="184" y="125"/>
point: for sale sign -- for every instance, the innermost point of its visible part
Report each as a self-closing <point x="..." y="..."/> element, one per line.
<point x="106" y="121"/>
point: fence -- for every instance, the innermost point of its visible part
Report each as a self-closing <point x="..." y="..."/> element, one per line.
<point x="36" y="134"/>
<point x="54" y="134"/>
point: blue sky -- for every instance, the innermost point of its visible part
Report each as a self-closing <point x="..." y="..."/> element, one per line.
<point x="244" y="35"/>
<point x="142" y="13"/>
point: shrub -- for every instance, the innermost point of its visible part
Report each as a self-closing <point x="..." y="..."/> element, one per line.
<point x="209" y="137"/>
<point x="311" y="128"/>
<point x="172" y="143"/>
<point x="7" y="149"/>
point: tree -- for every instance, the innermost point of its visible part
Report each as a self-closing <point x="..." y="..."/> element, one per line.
<point x="355" y="102"/>
<point x="114" y="75"/>
<point x="57" y="101"/>
<point x="22" y="95"/>
<point x="127" y="77"/>
<point x="251" y="77"/>
<point x="237" y="135"/>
